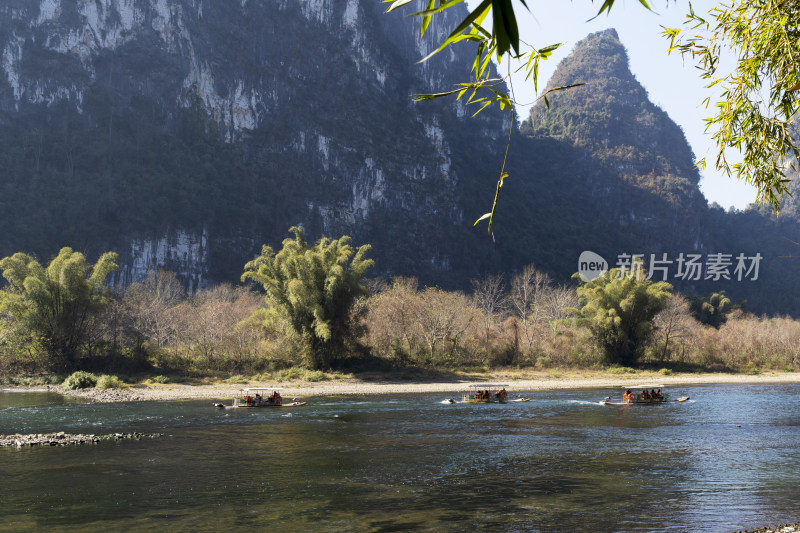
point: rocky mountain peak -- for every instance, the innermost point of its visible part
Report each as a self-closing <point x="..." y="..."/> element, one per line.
<point x="611" y="116"/>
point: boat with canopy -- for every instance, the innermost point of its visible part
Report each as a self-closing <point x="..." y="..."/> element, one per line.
<point x="485" y="393"/>
<point x="252" y="397"/>
<point x="647" y="394"/>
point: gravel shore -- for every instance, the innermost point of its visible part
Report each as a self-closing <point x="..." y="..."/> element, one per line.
<point x="166" y="392"/>
<point x="66" y="439"/>
<point x="787" y="528"/>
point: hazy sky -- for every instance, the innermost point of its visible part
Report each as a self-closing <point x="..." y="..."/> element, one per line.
<point x="671" y="84"/>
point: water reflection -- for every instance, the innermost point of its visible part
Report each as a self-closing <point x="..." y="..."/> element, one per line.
<point x="559" y="462"/>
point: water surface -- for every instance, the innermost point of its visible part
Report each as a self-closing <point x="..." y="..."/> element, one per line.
<point x="728" y="459"/>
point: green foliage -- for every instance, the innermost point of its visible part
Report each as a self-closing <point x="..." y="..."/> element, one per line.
<point x="110" y="382"/>
<point x="31" y="381"/>
<point x="759" y="96"/>
<point x="616" y="369"/>
<point x="80" y="380"/>
<point x="618" y="308"/>
<point x="303" y="374"/>
<point x="665" y="372"/>
<point x="157" y="379"/>
<point x="312" y="289"/>
<point x="58" y="304"/>
<point x="712" y="310"/>
<point x="314" y="375"/>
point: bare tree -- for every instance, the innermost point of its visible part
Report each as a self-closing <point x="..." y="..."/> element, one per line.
<point x="148" y="303"/>
<point x="674" y="323"/>
<point x="490" y="297"/>
<point x="556" y="304"/>
<point x="527" y="289"/>
<point x="443" y="318"/>
<point x="391" y="317"/>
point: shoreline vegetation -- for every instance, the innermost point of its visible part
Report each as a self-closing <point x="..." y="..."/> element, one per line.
<point x="322" y="325"/>
<point x="402" y="384"/>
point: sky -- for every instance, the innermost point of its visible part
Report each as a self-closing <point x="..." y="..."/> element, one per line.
<point x="672" y="85"/>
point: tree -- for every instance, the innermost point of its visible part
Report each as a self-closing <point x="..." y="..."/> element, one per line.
<point x="489" y="295"/>
<point x="556" y="303"/>
<point x="759" y="96"/>
<point x="58" y="304"/>
<point x="443" y="318"/>
<point x="712" y="310"/>
<point x="674" y="323"/>
<point x="763" y="34"/>
<point x="392" y="327"/>
<point x="314" y="289"/>
<point x="148" y="304"/>
<point x="527" y="290"/>
<point x="619" y="308"/>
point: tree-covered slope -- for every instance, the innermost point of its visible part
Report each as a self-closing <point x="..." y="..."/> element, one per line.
<point x="183" y="134"/>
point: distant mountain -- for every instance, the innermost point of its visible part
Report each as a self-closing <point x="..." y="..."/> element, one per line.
<point x="630" y="185"/>
<point x="183" y="134"/>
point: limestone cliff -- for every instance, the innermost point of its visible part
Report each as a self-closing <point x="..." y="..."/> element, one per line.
<point x="313" y="94"/>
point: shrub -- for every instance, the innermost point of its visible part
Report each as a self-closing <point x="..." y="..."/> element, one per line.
<point x="314" y="375"/>
<point x="621" y="370"/>
<point x="665" y="372"/>
<point x="110" y="382"/>
<point x="543" y="361"/>
<point x="80" y="380"/>
<point x="157" y="379"/>
<point x="288" y="374"/>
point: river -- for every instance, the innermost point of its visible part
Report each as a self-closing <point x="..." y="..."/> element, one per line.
<point x="727" y="459"/>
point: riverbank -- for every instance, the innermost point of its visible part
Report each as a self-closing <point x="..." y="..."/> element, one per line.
<point x="391" y="385"/>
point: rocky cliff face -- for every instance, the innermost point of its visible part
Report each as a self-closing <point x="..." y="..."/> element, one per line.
<point x="183" y="134"/>
<point x="315" y="95"/>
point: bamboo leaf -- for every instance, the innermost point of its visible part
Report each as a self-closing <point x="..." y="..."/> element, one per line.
<point x="432" y="9"/>
<point x="396" y="4"/>
<point x="483" y="217"/>
<point x="456" y="35"/>
<point x="426" y="19"/>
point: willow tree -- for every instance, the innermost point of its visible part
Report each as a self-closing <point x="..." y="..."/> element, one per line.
<point x="619" y="308"/>
<point x="312" y="290"/>
<point x="56" y="305"/>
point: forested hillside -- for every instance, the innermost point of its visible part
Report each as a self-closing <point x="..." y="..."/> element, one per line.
<point x="151" y="129"/>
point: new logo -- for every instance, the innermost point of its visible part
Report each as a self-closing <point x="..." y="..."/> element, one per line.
<point x="591" y="266"/>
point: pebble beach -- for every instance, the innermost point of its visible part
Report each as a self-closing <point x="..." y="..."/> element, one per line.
<point x="354" y="386"/>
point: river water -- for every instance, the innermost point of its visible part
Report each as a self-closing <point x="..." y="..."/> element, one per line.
<point x="727" y="459"/>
